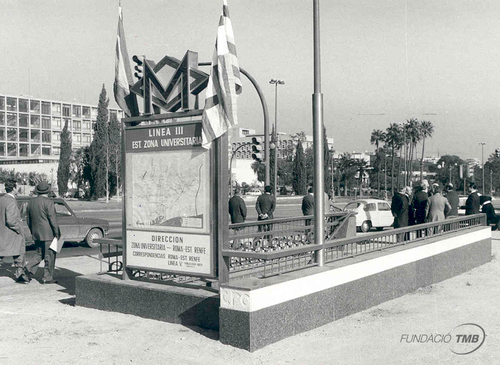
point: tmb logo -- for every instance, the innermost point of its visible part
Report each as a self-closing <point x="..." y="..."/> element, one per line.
<point x="467" y="338"/>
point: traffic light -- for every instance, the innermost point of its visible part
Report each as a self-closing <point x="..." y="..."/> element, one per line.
<point x="138" y="67"/>
<point x="497" y="152"/>
<point x="257" y="149"/>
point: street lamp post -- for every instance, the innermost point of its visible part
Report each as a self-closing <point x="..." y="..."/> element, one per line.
<point x="482" y="160"/>
<point x="275" y="137"/>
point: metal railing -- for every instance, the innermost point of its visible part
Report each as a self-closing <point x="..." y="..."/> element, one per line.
<point x="288" y="244"/>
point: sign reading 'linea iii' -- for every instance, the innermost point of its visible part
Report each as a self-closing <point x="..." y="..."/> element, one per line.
<point x="168" y="199"/>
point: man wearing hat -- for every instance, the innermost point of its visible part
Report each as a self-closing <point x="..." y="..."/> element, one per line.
<point x="42" y="222"/>
<point x="453" y="199"/>
<point x="12" y="241"/>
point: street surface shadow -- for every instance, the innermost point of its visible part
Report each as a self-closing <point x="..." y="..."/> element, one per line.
<point x="210" y="334"/>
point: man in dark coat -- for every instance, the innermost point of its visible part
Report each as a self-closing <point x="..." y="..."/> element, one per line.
<point x="472" y="204"/>
<point x="489" y="209"/>
<point x="42" y="222"/>
<point x="12" y="241"/>
<point x="453" y="199"/>
<point x="419" y="202"/>
<point x="265" y="205"/>
<point x="308" y="205"/>
<point x="399" y="209"/>
<point x="237" y="208"/>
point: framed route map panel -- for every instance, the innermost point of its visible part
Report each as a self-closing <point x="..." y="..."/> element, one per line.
<point x="167" y="199"/>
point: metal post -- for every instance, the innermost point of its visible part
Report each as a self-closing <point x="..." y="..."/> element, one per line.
<point x="317" y="100"/>
<point x="275" y="136"/>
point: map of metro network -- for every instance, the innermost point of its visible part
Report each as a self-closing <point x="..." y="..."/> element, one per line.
<point x="169" y="190"/>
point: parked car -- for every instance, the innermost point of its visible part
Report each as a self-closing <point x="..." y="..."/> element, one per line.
<point x="371" y="213"/>
<point x="254" y="192"/>
<point x="73" y="228"/>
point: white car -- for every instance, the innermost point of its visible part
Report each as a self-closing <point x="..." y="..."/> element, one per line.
<point x="254" y="192"/>
<point x="371" y="213"/>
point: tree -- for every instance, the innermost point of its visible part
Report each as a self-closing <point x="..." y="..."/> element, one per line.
<point x="326" y="160"/>
<point x="80" y="169"/>
<point x="392" y="142"/>
<point x="413" y="136"/>
<point x="63" y="170"/>
<point x="115" y="154"/>
<point x="377" y="137"/>
<point x="299" y="170"/>
<point x="426" y="130"/>
<point x="99" y="149"/>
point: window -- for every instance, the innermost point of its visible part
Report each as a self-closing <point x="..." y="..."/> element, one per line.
<point x="77" y="111"/>
<point x="23" y="105"/>
<point x="56" y="109"/>
<point x="23" y="120"/>
<point x="45" y="123"/>
<point x="12" y="120"/>
<point x="35" y="106"/>
<point x="2" y="148"/>
<point x="87" y="138"/>
<point x="56" y="151"/>
<point x="77" y="137"/>
<point x="45" y="107"/>
<point x="66" y="110"/>
<point x="2" y="118"/>
<point x="12" y="104"/>
<point x="384" y="206"/>
<point x="11" y="134"/>
<point x="86" y="111"/>
<point x="11" y="149"/>
<point x="35" y="135"/>
<point x="371" y="207"/>
<point x="93" y="115"/>
<point x="112" y="113"/>
<point x="23" y="149"/>
<point x="35" y="121"/>
<point x="351" y="206"/>
<point x="56" y="136"/>
<point x="46" y="150"/>
<point x="68" y="122"/>
<point x="36" y="150"/>
<point x="86" y="125"/>
<point x="2" y="134"/>
<point x="77" y="125"/>
<point x="2" y="103"/>
<point x="23" y="135"/>
<point x="46" y="136"/>
<point x="56" y="123"/>
<point x="61" y="210"/>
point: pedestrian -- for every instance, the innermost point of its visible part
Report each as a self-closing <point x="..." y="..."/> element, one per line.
<point x="42" y="222"/>
<point x="472" y="203"/>
<point x="419" y="202"/>
<point x="265" y="205"/>
<point x="399" y="208"/>
<point x="308" y="205"/>
<point x="438" y="206"/>
<point x="488" y="208"/>
<point x="452" y="197"/>
<point x="12" y="241"/>
<point x="237" y="208"/>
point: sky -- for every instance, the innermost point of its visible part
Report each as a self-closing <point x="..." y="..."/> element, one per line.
<point x="382" y="61"/>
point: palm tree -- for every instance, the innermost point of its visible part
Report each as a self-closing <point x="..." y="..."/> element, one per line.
<point x="377" y="137"/>
<point x="426" y="130"/>
<point x="413" y="136"/>
<point x="392" y="141"/>
<point x="360" y="166"/>
<point x="345" y="165"/>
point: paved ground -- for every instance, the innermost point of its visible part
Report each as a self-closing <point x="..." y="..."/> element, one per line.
<point x="39" y="324"/>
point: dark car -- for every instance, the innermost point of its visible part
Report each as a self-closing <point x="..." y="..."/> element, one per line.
<point x="73" y="228"/>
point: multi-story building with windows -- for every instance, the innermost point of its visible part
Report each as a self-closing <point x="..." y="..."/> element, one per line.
<point x="30" y="129"/>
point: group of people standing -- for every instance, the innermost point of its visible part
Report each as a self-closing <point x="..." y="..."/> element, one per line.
<point x="42" y="222"/>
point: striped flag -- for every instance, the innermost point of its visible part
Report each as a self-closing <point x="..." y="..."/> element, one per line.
<point x="123" y="74"/>
<point x="224" y="83"/>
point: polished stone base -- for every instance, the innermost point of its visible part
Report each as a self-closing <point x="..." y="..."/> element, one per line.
<point x="175" y="304"/>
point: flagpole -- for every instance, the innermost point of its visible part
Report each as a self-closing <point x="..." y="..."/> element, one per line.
<point x="319" y="221"/>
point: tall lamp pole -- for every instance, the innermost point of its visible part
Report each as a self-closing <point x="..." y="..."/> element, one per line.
<point x="275" y="137"/>
<point x="482" y="160"/>
<point x="317" y="101"/>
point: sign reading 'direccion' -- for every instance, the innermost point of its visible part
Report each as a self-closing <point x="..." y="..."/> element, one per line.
<point x="176" y="252"/>
<point x="163" y="137"/>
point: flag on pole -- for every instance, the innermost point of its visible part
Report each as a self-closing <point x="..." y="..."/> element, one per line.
<point x="123" y="74"/>
<point x="224" y="83"/>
